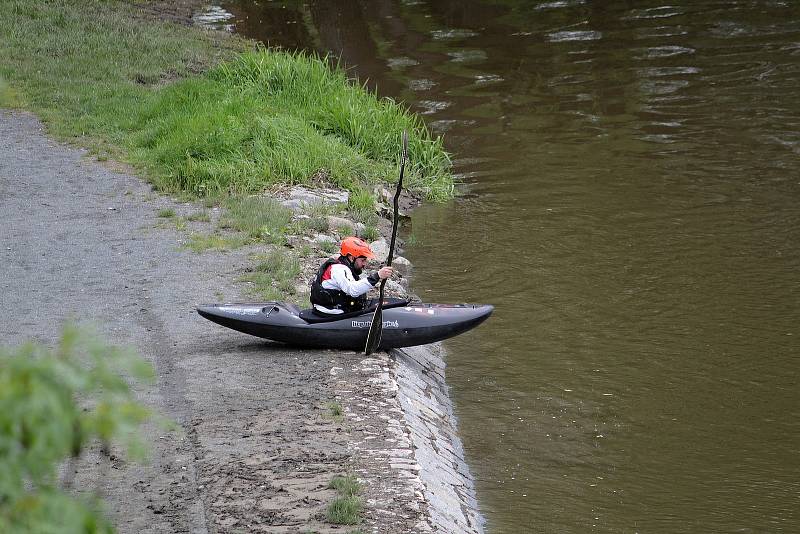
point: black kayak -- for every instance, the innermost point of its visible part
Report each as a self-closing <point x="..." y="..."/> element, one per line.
<point x="405" y="324"/>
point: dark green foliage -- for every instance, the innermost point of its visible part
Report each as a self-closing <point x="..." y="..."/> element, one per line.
<point x="54" y="403"/>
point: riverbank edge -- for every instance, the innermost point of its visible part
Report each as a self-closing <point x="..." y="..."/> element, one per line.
<point x="415" y="385"/>
<point x="416" y="403"/>
<point x="428" y="410"/>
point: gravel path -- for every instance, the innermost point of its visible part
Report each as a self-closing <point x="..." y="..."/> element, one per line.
<point x="256" y="450"/>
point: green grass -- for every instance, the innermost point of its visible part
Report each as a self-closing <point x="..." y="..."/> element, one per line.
<point x="88" y="67"/>
<point x="345" y="511"/>
<point x="345" y="230"/>
<point x="200" y="216"/>
<point x="370" y="233"/>
<point x="8" y="96"/>
<point x="196" y="114"/>
<point x="329" y="247"/>
<point x="212" y="201"/>
<point x="166" y="213"/>
<point x="346" y="486"/>
<point x="324" y="209"/>
<point x="335" y="410"/>
<point x="274" y="276"/>
<point x="203" y="242"/>
<point x="305" y="250"/>
<point x="361" y="206"/>
<point x="346" y="508"/>
<point x="271" y="117"/>
<point x="312" y="225"/>
<point x="258" y="217"/>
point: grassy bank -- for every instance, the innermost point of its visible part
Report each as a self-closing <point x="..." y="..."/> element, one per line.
<point x="197" y="112"/>
<point x="87" y="67"/>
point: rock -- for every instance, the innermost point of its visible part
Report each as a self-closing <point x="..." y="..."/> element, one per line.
<point x="292" y="204"/>
<point x="404" y="284"/>
<point x="301" y="198"/>
<point x="383" y="194"/>
<point x="385" y="202"/>
<point x="402" y="265"/>
<point x="340" y="224"/>
<point x="395" y="288"/>
<point x="381" y="250"/>
<point x="294" y="241"/>
<point x="322" y="239"/>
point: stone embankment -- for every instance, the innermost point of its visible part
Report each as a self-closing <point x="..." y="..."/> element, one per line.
<point x="425" y="402"/>
<point x="402" y="423"/>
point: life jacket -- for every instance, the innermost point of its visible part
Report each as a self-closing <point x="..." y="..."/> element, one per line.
<point x="336" y="298"/>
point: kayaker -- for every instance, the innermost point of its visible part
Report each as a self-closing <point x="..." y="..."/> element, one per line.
<point x="338" y="286"/>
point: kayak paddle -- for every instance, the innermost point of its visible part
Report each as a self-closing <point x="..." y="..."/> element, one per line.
<point x="376" y="328"/>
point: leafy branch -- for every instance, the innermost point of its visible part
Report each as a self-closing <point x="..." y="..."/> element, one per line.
<point x="54" y="404"/>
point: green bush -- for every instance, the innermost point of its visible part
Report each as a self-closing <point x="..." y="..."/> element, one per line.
<point x="54" y="403"/>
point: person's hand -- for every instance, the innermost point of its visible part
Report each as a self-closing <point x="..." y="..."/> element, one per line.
<point x="385" y="272"/>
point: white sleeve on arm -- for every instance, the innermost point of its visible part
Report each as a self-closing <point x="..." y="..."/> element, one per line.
<point x="343" y="278"/>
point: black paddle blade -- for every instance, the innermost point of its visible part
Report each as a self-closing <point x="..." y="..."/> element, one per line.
<point x="375" y="331"/>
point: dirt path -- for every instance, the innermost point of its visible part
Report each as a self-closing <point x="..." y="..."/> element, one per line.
<point x="257" y="447"/>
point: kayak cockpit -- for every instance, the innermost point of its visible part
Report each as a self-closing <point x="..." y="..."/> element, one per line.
<point x="313" y="316"/>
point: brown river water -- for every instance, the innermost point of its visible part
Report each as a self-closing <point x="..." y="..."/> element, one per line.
<point x="630" y="203"/>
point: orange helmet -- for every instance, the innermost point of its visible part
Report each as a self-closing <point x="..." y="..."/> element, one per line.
<point x="356" y="247"/>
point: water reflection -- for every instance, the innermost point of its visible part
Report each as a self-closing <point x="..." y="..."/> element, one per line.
<point x="214" y="17"/>
<point x="631" y="205"/>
